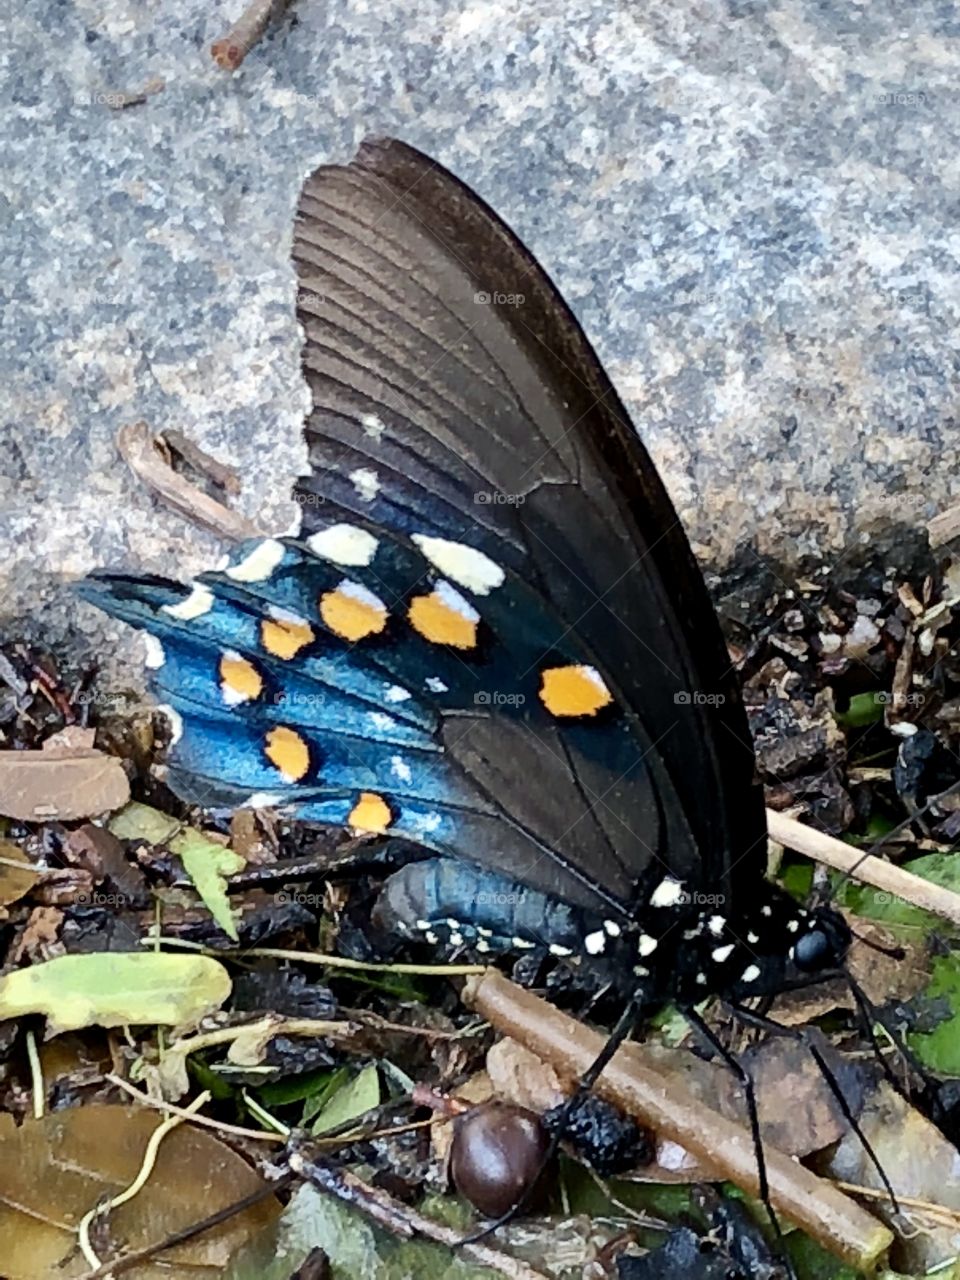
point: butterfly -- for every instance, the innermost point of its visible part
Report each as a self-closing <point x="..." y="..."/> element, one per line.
<point x="488" y="636"/>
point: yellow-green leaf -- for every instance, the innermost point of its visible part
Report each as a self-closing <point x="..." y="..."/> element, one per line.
<point x="208" y="865"/>
<point x="109" y="989"/>
<point x="357" y="1096"/>
<point x="137" y="821"/>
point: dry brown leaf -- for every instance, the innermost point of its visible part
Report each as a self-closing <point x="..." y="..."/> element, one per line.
<point x="54" y="1170"/>
<point x="42" y="785"/>
<point x="17" y="873"/>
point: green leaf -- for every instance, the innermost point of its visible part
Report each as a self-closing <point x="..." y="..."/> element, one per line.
<point x="110" y="989"/>
<point x="314" y="1105"/>
<point x="351" y="1100"/>
<point x="299" y="1088"/>
<point x="940" y="1049"/>
<point x="209" y="865"/>
<point x="890" y="909"/>
<point x="797" y="879"/>
<point x="137" y="821"/>
<point x="864" y="709"/>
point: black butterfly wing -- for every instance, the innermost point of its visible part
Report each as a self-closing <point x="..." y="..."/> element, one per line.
<point x="456" y="397"/>
<point x="490" y="636"/>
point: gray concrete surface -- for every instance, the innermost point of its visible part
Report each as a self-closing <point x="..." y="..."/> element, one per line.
<point x="752" y="207"/>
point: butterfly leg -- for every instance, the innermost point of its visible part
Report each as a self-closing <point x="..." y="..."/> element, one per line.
<point x="800" y="1034"/>
<point x="709" y="1036"/>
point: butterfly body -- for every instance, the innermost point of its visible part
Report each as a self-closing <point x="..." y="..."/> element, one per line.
<point x="489" y="637"/>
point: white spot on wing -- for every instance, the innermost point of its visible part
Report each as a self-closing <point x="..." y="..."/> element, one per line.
<point x="197" y="603"/>
<point x="373" y="426"/>
<point x="646" y="945"/>
<point x="435" y="685"/>
<point x="425" y="823"/>
<point x="366" y="482"/>
<point x="395" y="693"/>
<point x="612" y="928"/>
<point x="556" y="949"/>
<point x="753" y="938"/>
<point x="793" y="926"/>
<point x="401" y="769"/>
<point x="262" y="800"/>
<point x="723" y="953"/>
<point x="345" y="544"/>
<point x="357" y="591"/>
<point x="594" y="943"/>
<point x="154" y="656"/>
<point x="259" y="563"/>
<point x="716" y="925"/>
<point x="380" y="720"/>
<point x="465" y="565"/>
<point x="668" y="893"/>
<point x="522" y="944"/>
<point x="176" y="721"/>
<point x="750" y="974"/>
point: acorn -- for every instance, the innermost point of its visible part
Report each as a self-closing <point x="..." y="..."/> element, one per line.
<point x="497" y="1156"/>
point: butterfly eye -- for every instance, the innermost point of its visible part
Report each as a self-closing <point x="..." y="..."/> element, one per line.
<point x="820" y="948"/>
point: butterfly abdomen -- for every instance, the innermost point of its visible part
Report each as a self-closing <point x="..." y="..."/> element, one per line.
<point x="452" y="903"/>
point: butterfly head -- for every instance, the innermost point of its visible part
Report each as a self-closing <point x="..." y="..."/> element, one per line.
<point x="823" y="943"/>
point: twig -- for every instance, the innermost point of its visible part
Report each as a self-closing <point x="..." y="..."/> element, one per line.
<point x="882" y="875"/>
<point x="944" y="526"/>
<point x="36" y="1076"/>
<point x="139" y="451"/>
<point x="230" y="50"/>
<point x="662" y="1102"/>
<point x="139" y="1182"/>
<point x="397" y="1218"/>
<point x="127" y="1260"/>
<point x="220" y="1126"/>
<point x="316" y="957"/>
<point x="221" y="473"/>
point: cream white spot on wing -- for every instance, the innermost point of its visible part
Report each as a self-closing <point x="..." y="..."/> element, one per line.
<point x="753" y="938"/>
<point x="366" y="483"/>
<point x="522" y="944"/>
<point x="373" y="426"/>
<point x="641" y="971"/>
<point x="668" y="893"/>
<point x="716" y="925"/>
<point x="456" y="939"/>
<point x="195" y="605"/>
<point x="465" y="565"/>
<point x="258" y="564"/>
<point x="722" y="953"/>
<point x="646" y="945"/>
<point x="557" y="950"/>
<point x="766" y="911"/>
<point x="431" y="937"/>
<point x="484" y="933"/>
<point x="750" y="974"/>
<point x="482" y="944"/>
<point x="401" y="769"/>
<point x="594" y="943"/>
<point x="793" y="926"/>
<point x="701" y="979"/>
<point x="175" y="719"/>
<point x="154" y="657"/>
<point x="612" y="928"/>
<point x="435" y="685"/>
<point x="395" y="693"/>
<point x="262" y="800"/>
<point x="345" y="544"/>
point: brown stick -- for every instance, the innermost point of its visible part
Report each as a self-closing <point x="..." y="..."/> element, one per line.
<point x="882" y="875"/>
<point x="139" y="452"/>
<point x="630" y="1082"/>
<point x="230" y="50"/>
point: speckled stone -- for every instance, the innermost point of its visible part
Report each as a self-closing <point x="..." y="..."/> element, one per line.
<point x="752" y="207"/>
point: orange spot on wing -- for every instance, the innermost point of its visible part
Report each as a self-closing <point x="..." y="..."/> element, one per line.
<point x="240" y="681"/>
<point x="283" y="638"/>
<point x="352" y="613"/>
<point x="288" y="752"/>
<point x="573" y="691"/>
<point x="441" y="622"/>
<point x="371" y="814"/>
